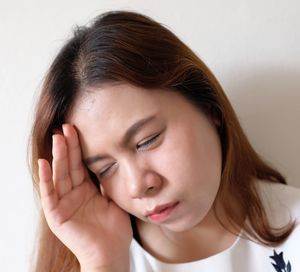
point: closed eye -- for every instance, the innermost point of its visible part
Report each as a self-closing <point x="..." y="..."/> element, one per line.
<point x="148" y="142"/>
<point x="141" y="146"/>
<point x="106" y="170"/>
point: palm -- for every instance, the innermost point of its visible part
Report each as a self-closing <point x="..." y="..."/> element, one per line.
<point x="90" y="225"/>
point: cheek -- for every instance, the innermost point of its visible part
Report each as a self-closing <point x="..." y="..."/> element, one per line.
<point x="177" y="154"/>
<point x="113" y="191"/>
<point x="190" y="160"/>
<point x="117" y="191"/>
<point x="119" y="195"/>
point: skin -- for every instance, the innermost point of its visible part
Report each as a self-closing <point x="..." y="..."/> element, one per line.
<point x="173" y="157"/>
<point x="96" y="230"/>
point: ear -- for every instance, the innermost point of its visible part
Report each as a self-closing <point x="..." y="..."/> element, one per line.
<point x="213" y="116"/>
<point x="216" y="121"/>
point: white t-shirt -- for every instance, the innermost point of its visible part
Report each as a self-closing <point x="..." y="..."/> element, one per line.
<point x="282" y="203"/>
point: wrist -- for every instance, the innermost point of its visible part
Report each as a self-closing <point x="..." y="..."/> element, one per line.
<point x="108" y="262"/>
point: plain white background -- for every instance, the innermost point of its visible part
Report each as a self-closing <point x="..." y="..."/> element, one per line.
<point x="253" y="47"/>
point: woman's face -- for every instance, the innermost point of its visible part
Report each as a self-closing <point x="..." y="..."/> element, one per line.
<point x="152" y="151"/>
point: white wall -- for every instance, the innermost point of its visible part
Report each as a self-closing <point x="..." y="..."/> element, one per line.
<point x="253" y="46"/>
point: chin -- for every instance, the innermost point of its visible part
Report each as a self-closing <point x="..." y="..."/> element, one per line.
<point x="182" y="225"/>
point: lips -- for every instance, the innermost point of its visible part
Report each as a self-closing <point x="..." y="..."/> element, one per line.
<point x="161" y="212"/>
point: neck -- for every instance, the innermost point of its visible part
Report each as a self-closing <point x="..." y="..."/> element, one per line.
<point x="207" y="238"/>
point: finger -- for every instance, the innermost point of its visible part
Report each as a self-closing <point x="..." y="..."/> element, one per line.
<point x="60" y="166"/>
<point x="76" y="167"/>
<point x="49" y="198"/>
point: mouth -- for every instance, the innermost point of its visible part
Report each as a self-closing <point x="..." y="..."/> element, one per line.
<point x="162" y="212"/>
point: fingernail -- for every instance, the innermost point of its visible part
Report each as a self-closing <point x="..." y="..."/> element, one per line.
<point x="64" y="127"/>
<point x="39" y="163"/>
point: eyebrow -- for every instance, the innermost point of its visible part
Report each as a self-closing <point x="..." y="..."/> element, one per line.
<point x="131" y="131"/>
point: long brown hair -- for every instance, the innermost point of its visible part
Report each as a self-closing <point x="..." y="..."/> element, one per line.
<point x="123" y="46"/>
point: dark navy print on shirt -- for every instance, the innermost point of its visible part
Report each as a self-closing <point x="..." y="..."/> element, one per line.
<point x="280" y="265"/>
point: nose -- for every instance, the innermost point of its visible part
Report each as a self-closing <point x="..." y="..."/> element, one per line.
<point x="142" y="180"/>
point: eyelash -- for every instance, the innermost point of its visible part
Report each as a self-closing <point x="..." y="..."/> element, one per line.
<point x="148" y="142"/>
<point x="145" y="144"/>
<point x="103" y="173"/>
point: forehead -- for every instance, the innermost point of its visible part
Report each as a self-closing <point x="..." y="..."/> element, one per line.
<point x="119" y="101"/>
<point x="102" y="115"/>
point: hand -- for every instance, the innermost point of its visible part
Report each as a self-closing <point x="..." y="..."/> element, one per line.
<point x="95" y="229"/>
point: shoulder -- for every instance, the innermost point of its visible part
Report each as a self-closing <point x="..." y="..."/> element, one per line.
<point x="281" y="202"/>
<point x="140" y="260"/>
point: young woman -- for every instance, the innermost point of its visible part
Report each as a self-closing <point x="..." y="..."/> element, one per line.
<point x="141" y="164"/>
